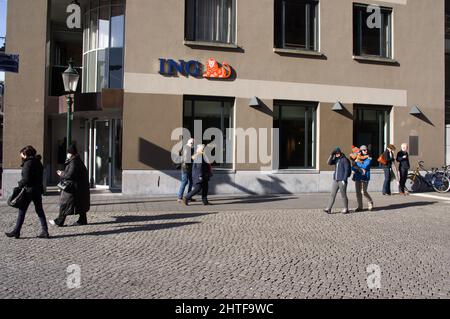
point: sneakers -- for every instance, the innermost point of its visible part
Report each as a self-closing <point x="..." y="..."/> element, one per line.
<point x="345" y="212"/>
<point x="13" y="234"/>
<point x="52" y="222"/>
<point x="370" y="207"/>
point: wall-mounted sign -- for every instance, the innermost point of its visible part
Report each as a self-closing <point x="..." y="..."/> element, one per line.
<point x="213" y="70"/>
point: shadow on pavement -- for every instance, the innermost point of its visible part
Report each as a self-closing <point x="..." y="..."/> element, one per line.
<point x="402" y="205"/>
<point x="140" y="219"/>
<point x="126" y="230"/>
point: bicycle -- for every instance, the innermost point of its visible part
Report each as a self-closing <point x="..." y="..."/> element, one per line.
<point x="438" y="180"/>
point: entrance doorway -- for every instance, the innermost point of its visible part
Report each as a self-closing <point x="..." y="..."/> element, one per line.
<point x="103" y="154"/>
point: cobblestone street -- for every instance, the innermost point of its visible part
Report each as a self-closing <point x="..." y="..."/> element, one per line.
<point x="242" y="247"/>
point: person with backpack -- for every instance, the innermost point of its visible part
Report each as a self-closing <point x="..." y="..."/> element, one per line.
<point x="340" y="179"/>
<point x="361" y="177"/>
<point x="386" y="160"/>
<point x="32" y="181"/>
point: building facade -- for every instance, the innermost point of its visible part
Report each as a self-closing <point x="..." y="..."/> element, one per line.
<point x="308" y="75"/>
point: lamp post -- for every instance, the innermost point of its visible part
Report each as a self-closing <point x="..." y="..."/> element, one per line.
<point x="70" y="79"/>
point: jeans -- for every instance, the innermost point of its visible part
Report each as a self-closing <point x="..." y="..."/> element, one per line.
<point x="203" y="187"/>
<point x="37" y="201"/>
<point x="387" y="181"/>
<point x="335" y="187"/>
<point x="361" y="189"/>
<point x="186" y="180"/>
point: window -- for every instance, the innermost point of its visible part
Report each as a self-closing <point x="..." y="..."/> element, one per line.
<point x="296" y="24"/>
<point x="371" y="127"/>
<point x="369" y="37"/>
<point x="296" y="122"/>
<point x="103" y="45"/>
<point x="214" y="113"/>
<point x="211" y="21"/>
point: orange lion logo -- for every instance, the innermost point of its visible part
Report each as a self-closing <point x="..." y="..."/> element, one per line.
<point x="214" y="71"/>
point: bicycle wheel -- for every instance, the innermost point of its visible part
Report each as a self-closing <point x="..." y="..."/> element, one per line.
<point x="441" y="183"/>
<point x="413" y="183"/>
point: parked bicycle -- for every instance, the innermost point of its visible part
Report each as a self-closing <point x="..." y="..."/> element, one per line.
<point x="436" y="179"/>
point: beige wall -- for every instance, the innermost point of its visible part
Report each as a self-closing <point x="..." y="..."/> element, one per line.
<point x="148" y="121"/>
<point x="25" y="91"/>
<point x="418" y="48"/>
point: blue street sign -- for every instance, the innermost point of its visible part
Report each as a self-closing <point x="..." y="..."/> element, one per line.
<point x="9" y="62"/>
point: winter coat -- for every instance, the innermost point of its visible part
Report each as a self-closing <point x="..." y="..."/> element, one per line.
<point x="186" y="164"/>
<point x="359" y="174"/>
<point x="76" y="199"/>
<point x="404" y="162"/>
<point x="342" y="170"/>
<point x="32" y="176"/>
<point x="200" y="170"/>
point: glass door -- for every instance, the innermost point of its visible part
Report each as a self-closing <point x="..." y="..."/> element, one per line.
<point x="102" y="153"/>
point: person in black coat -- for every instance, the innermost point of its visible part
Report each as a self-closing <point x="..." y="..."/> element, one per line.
<point x="75" y="198"/>
<point x="389" y="157"/>
<point x="404" y="166"/>
<point x="32" y="181"/>
<point x="201" y="173"/>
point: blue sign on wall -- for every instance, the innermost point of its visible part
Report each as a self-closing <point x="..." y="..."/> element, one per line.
<point x="171" y="67"/>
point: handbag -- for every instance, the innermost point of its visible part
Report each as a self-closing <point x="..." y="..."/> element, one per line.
<point x="65" y="186"/>
<point x="382" y="160"/>
<point x="18" y="197"/>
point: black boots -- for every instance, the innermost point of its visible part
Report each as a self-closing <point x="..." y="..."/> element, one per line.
<point x="12" y="234"/>
<point x="44" y="235"/>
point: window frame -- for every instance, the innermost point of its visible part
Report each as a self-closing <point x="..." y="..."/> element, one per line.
<point x="192" y="38"/>
<point x="280" y="26"/>
<point x="312" y="109"/>
<point x="385" y="41"/>
<point x="222" y="100"/>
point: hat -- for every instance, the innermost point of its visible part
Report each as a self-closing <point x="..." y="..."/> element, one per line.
<point x="363" y="148"/>
<point x="337" y="150"/>
<point x="72" y="150"/>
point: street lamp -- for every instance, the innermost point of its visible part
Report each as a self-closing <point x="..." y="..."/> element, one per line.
<point x="70" y="79"/>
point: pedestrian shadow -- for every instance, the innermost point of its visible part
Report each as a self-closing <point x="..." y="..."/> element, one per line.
<point x="127" y="230"/>
<point x="141" y="219"/>
<point x="255" y="200"/>
<point x="402" y="206"/>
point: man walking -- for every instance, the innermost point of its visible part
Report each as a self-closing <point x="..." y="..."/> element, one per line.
<point x="340" y="178"/>
<point x="186" y="168"/>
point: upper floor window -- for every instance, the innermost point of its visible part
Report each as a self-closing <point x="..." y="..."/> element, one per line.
<point x="296" y="24"/>
<point x="372" y="31"/>
<point x="211" y="21"/>
<point x="103" y="45"/>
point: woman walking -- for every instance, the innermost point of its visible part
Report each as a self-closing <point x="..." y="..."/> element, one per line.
<point x="75" y="195"/>
<point x="32" y="181"/>
<point x="362" y="178"/>
<point x="201" y="173"/>
<point x="388" y="158"/>
<point x="404" y="166"/>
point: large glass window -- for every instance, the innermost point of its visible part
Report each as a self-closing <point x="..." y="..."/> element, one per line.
<point x="371" y="127"/>
<point x="103" y="45"/>
<point x="296" y="122"/>
<point x="296" y="24"/>
<point x="211" y="21"/>
<point x="214" y="113"/>
<point x="372" y="35"/>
